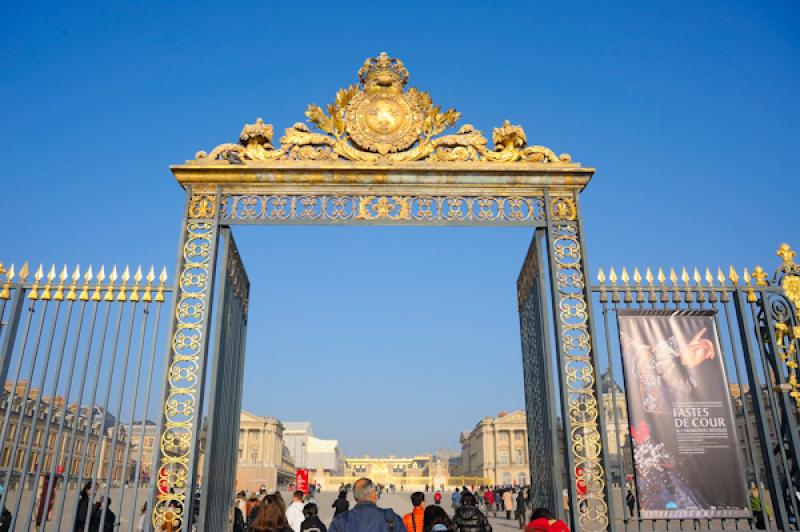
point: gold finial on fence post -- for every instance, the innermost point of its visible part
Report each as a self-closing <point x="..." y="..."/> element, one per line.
<point x="612" y="277"/>
<point x="734" y="277"/>
<point x="87" y="278"/>
<point x="34" y="293"/>
<point x="751" y="294"/>
<point x="47" y="293"/>
<point x="62" y="277"/>
<point x="137" y="278"/>
<point x="126" y="275"/>
<point x="5" y="293"/>
<point x="628" y="297"/>
<point x="698" y="283"/>
<point x="760" y="276"/>
<point x="648" y="275"/>
<point x="99" y="278"/>
<point x="73" y="287"/>
<point x="162" y="278"/>
<point x="112" y="279"/>
<point x="147" y="297"/>
<point x="601" y="278"/>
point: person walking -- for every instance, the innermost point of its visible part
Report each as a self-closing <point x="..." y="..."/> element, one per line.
<point x="84" y="512"/>
<point x="498" y="499"/>
<point x="437" y="497"/>
<point x="341" y="504"/>
<point x="508" y="503"/>
<point x="142" y="518"/>
<point x="294" y="513"/>
<point x="110" y="518"/>
<point x="456" y="499"/>
<point x="5" y="517"/>
<point x="521" y="511"/>
<point x="488" y="498"/>
<point x="630" y="500"/>
<point x="270" y="517"/>
<point x="312" y="522"/>
<point x="468" y="518"/>
<point x="757" y="508"/>
<point x="437" y="520"/>
<point x="365" y="515"/>
<point x="414" y="520"/>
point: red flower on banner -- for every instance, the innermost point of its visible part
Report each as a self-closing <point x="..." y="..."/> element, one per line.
<point x="640" y="433"/>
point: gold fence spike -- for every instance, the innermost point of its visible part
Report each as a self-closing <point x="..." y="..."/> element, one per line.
<point x="87" y="277"/>
<point x="148" y="289"/>
<point x="5" y="292"/>
<point x="624" y="276"/>
<point x="661" y="277"/>
<point x="721" y="276"/>
<point x="112" y="279"/>
<point x="760" y="276"/>
<point x="72" y="292"/>
<point x="47" y="293"/>
<point x="648" y="275"/>
<point x="612" y="276"/>
<point x="34" y="293"/>
<point x="100" y="277"/>
<point x="137" y="278"/>
<point x="751" y="294"/>
<point x="637" y="277"/>
<point x="709" y="277"/>
<point x="162" y="278"/>
<point x="601" y="277"/>
<point x="696" y="276"/>
<point x="23" y="273"/>
<point x="62" y="277"/>
<point x="126" y="275"/>
<point x="673" y="277"/>
<point x="733" y="276"/>
<point x="684" y="276"/>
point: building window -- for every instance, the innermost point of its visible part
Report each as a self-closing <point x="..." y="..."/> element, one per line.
<point x="503" y="458"/>
<point x="506" y="479"/>
<point x="254" y="455"/>
<point x="517" y="456"/>
<point x="518" y="436"/>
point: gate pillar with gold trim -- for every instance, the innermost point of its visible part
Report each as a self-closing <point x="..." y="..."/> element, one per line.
<point x="378" y="156"/>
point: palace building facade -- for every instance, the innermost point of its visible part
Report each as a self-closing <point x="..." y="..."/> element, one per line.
<point x="497" y="449"/>
<point x="263" y="459"/>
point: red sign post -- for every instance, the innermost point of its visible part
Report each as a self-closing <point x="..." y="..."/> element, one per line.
<point x="301" y="480"/>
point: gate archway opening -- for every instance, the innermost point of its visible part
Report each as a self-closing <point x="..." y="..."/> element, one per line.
<point x="379" y="157"/>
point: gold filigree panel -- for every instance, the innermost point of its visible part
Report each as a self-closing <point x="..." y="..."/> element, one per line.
<point x="188" y="340"/>
<point x="585" y="440"/>
<point x="342" y="209"/>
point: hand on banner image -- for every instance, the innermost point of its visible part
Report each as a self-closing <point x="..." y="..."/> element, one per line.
<point x="697" y="351"/>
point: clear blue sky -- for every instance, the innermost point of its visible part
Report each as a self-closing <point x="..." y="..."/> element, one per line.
<point x="400" y="338"/>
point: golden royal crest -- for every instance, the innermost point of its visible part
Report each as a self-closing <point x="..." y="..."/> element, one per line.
<point x="381" y="117"/>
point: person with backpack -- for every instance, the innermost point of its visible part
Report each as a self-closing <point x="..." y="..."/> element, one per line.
<point x="415" y="519"/>
<point x="468" y="518"/>
<point x="365" y="515"/>
<point x="312" y="522"/>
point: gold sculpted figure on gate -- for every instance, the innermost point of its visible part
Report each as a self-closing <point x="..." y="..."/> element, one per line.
<point x="380" y="120"/>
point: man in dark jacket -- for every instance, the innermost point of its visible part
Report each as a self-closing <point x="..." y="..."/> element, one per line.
<point x="107" y="525"/>
<point x="365" y="515"/>
<point x="468" y="518"/>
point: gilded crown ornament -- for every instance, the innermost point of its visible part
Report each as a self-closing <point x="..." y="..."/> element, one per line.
<point x="381" y="120"/>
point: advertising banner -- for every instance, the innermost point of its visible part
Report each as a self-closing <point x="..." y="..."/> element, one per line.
<point x="685" y="448"/>
<point x="301" y="480"/>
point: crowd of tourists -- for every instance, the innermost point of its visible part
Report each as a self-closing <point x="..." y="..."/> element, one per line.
<point x="262" y="512"/>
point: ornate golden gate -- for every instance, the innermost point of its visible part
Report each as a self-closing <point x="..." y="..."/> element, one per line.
<point x="379" y="158"/>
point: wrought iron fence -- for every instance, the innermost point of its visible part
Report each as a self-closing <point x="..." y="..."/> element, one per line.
<point x="759" y="334"/>
<point x="80" y="354"/>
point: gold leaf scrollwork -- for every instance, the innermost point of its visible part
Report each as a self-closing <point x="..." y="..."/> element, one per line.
<point x="563" y="208"/>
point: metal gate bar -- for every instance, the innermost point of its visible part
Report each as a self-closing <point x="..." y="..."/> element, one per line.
<point x="54" y="436"/>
